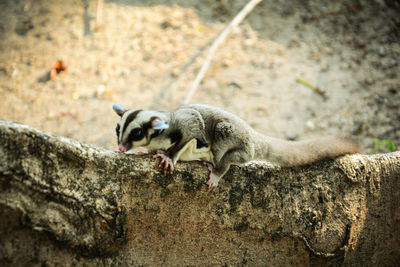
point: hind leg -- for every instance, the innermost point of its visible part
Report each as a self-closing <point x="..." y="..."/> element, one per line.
<point x="231" y="146"/>
<point x="236" y="156"/>
<point x="213" y="178"/>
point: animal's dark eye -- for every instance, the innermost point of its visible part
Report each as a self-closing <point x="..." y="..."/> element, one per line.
<point x="117" y="129"/>
<point x="136" y="134"/>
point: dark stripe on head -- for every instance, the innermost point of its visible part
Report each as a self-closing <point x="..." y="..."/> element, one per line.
<point x="130" y="118"/>
<point x="148" y="125"/>
<point x="155" y="134"/>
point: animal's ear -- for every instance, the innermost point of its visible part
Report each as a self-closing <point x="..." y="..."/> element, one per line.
<point x="159" y="124"/>
<point x="119" y="109"/>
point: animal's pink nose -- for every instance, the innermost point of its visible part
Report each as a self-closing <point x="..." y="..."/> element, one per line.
<point x="121" y="148"/>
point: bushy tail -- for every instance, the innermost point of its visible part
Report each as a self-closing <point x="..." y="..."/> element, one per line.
<point x="296" y="153"/>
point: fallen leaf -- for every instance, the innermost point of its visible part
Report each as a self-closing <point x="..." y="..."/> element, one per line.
<point x="58" y="67"/>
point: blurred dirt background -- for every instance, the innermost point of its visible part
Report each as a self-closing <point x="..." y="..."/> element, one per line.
<point x="145" y="54"/>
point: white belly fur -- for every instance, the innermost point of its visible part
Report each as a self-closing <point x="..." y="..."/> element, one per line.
<point x="190" y="152"/>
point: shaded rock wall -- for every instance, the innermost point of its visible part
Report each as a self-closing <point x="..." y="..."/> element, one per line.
<point x="68" y="203"/>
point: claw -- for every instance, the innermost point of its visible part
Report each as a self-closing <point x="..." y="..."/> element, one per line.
<point x="211" y="186"/>
<point x="166" y="162"/>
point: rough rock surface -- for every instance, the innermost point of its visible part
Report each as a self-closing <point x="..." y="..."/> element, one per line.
<point x="66" y="203"/>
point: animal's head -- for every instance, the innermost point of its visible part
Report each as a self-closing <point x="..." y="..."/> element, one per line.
<point x="137" y="127"/>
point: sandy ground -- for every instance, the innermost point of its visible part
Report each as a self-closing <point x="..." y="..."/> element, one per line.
<point x="146" y="54"/>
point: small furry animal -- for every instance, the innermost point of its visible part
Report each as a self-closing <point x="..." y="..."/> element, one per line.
<point x="213" y="135"/>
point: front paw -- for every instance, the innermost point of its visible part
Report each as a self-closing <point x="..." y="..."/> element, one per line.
<point x="166" y="162"/>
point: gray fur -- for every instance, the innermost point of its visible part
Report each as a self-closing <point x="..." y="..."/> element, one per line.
<point x="231" y="140"/>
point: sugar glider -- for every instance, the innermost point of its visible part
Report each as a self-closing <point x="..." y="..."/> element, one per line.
<point x="213" y="135"/>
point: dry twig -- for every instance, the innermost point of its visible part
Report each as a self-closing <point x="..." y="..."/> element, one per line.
<point x="164" y="91"/>
<point x="313" y="87"/>
<point x="238" y="18"/>
<point x="99" y="13"/>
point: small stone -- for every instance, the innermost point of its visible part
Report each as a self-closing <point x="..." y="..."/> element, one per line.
<point x="369" y="81"/>
<point x="166" y="24"/>
<point x="310" y="125"/>
<point x="324" y="66"/>
<point x="382" y="51"/>
<point x="345" y="65"/>
<point x="358" y="128"/>
<point x="24" y="26"/>
<point x="75" y="95"/>
<point x="291" y="137"/>
<point x="393" y="90"/>
<point x="360" y="44"/>
<point x="234" y="86"/>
